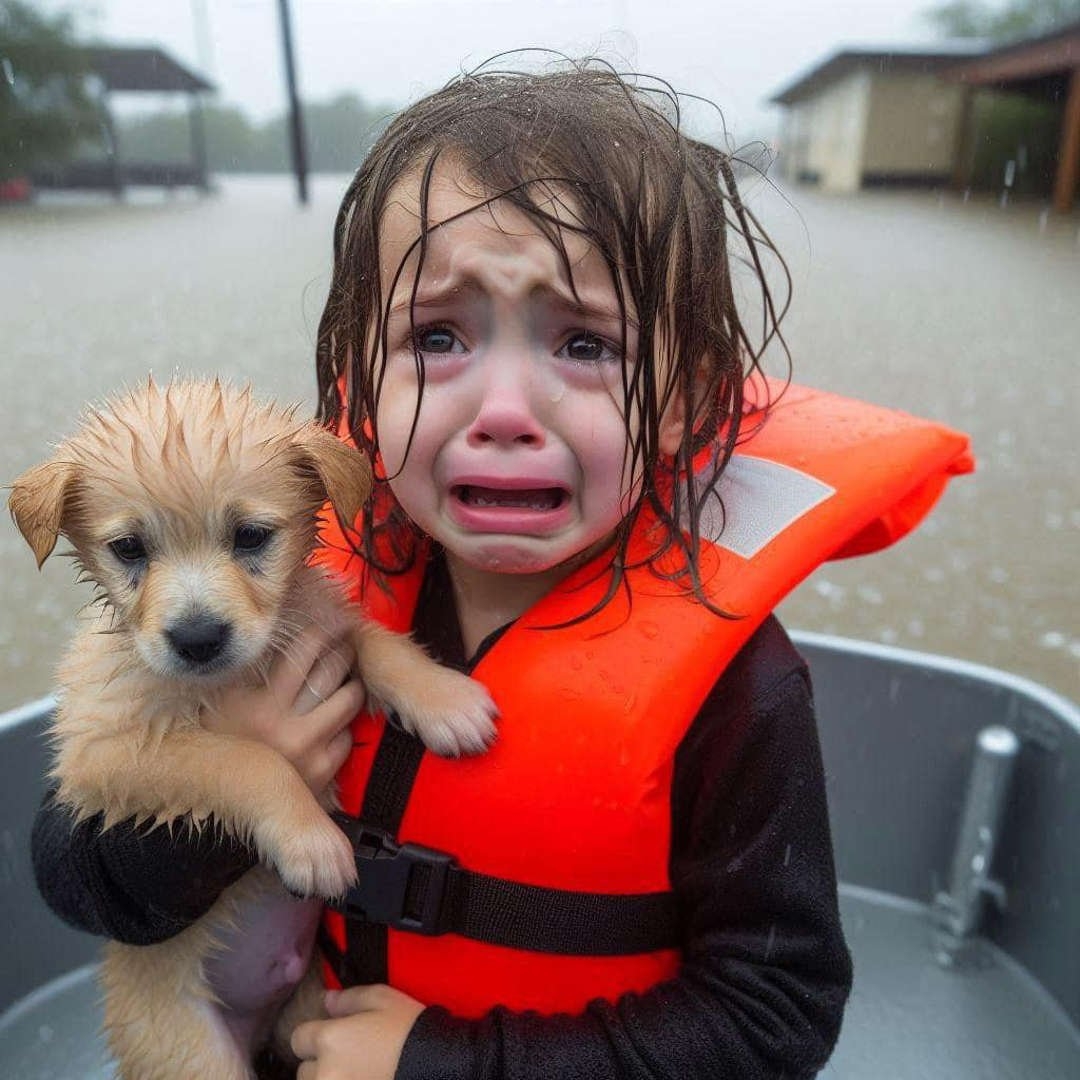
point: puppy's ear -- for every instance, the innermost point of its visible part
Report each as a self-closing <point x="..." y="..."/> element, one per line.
<point x="344" y="471"/>
<point x="37" y="503"/>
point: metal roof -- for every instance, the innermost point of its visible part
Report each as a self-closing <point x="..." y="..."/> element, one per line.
<point x="142" y="69"/>
<point x="931" y="59"/>
<point x="1026" y="60"/>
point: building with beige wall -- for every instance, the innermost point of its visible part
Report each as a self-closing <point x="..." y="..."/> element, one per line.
<point x="866" y="117"/>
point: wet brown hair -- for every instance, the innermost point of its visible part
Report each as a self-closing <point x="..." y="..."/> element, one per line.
<point x="661" y="208"/>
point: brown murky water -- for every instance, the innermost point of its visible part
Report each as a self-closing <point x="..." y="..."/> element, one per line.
<point x="960" y="311"/>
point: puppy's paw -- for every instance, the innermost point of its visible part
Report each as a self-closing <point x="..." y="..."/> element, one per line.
<point x="452" y="714"/>
<point x="317" y="861"/>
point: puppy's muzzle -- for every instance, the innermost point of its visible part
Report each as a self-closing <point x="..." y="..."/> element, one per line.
<point x="199" y="640"/>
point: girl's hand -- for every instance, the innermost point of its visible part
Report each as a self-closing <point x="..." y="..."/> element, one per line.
<point x="363" y="1038"/>
<point x="303" y="709"/>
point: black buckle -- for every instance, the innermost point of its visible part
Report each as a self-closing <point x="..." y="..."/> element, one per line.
<point x="400" y="885"/>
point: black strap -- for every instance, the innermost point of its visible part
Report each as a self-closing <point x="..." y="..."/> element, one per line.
<point x="393" y="771"/>
<point x="411" y="887"/>
<point x="557" y="921"/>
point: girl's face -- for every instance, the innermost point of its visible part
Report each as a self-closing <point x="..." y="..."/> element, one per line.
<point x="519" y="459"/>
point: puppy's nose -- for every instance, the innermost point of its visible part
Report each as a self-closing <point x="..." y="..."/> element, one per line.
<point x="199" y="638"/>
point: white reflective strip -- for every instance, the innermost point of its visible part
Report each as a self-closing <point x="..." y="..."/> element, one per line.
<point x="760" y="499"/>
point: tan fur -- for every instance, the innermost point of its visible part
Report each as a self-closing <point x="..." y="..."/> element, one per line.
<point x="181" y="468"/>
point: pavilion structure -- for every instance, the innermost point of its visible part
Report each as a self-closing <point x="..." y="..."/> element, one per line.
<point x="139" y="70"/>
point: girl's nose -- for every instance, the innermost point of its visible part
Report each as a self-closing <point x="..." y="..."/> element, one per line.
<point x="506" y="414"/>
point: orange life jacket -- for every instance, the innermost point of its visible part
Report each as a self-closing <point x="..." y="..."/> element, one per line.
<point x="575" y="794"/>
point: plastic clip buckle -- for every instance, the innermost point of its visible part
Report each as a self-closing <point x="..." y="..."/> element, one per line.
<point x="400" y="885"/>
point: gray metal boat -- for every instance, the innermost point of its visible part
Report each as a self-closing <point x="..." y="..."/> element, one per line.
<point x="954" y="793"/>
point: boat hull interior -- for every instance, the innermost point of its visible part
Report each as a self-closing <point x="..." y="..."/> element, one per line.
<point x="1000" y="999"/>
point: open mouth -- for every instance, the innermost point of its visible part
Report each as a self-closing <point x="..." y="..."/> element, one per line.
<point x="510" y="498"/>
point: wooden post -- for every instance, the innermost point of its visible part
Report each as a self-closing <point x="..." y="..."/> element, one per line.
<point x="964" y="141"/>
<point x="1068" y="167"/>
<point x="198" y="140"/>
<point x="116" y="171"/>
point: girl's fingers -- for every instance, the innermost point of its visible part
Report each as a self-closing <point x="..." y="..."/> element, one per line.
<point x="355" y="999"/>
<point x="303" y="1041"/>
<point x="329" y="671"/>
<point x="291" y="668"/>
<point x="339" y="749"/>
<point x="326" y="675"/>
<point x="334" y="714"/>
<point x="331" y="759"/>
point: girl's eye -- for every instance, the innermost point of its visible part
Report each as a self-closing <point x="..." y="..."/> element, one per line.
<point x="587" y="348"/>
<point x="128" y="549"/>
<point x="436" y="339"/>
<point x="248" y="539"/>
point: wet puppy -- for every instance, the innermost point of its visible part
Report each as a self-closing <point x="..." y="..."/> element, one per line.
<point x="194" y="509"/>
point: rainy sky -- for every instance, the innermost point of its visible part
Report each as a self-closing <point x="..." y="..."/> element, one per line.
<point x="734" y="52"/>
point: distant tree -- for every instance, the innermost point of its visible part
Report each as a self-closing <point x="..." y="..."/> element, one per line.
<point x="269" y="150"/>
<point x="339" y="134"/>
<point x="45" y="104"/>
<point x="163" y="135"/>
<point x="232" y="143"/>
<point x="1001" y="22"/>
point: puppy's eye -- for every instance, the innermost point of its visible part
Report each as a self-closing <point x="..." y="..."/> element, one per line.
<point x="249" y="539"/>
<point x="128" y="549"/>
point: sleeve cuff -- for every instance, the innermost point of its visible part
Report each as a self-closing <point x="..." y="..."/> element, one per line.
<point x="178" y="873"/>
<point x="440" y="1046"/>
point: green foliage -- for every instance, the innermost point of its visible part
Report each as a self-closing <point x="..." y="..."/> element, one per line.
<point x="1001" y="22"/>
<point x="165" y="136"/>
<point x="45" y="105"/>
<point x="1011" y="127"/>
<point x="339" y="134"/>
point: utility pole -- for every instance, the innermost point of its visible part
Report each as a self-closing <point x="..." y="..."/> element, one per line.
<point x="296" y="120"/>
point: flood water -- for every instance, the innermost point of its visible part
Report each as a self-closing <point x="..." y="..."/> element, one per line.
<point x="962" y="311"/>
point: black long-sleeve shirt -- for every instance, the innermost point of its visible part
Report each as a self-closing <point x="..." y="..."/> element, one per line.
<point x="765" y="971"/>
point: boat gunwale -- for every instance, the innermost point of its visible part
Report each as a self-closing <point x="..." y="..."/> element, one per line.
<point x="1067" y="711"/>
